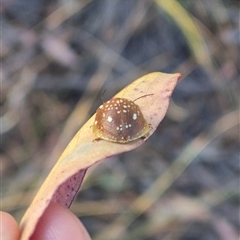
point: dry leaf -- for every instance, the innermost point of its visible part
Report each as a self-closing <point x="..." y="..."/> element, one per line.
<point x="66" y="177"/>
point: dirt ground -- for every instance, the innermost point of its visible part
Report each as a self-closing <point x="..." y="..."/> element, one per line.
<point x="60" y="55"/>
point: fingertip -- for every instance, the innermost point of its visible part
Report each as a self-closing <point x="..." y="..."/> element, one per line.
<point x="59" y="223"/>
<point x="9" y="229"/>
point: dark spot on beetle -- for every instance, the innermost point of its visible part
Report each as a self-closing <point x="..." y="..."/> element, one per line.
<point x="72" y="189"/>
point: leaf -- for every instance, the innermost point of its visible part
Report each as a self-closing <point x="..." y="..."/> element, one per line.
<point x="64" y="181"/>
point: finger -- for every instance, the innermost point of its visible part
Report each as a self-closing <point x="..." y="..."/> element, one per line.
<point x="9" y="229"/>
<point x="59" y="223"/>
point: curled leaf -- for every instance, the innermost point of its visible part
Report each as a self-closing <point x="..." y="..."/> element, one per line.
<point x="64" y="181"/>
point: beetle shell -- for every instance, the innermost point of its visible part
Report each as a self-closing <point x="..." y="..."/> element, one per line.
<point x="120" y="120"/>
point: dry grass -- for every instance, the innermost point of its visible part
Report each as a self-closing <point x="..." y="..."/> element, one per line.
<point x="57" y="59"/>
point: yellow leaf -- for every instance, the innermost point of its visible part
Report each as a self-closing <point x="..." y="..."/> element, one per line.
<point x="66" y="177"/>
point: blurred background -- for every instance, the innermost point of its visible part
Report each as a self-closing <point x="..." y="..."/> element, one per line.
<point x="57" y="58"/>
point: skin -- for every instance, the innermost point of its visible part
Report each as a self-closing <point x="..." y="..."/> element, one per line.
<point x="57" y="223"/>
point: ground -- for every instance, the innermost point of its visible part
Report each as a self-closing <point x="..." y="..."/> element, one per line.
<point x="58" y="55"/>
